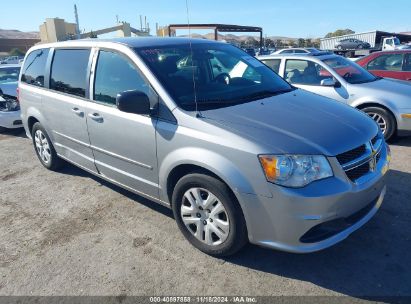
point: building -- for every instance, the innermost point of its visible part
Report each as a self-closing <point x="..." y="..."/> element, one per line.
<point x="56" y="29"/>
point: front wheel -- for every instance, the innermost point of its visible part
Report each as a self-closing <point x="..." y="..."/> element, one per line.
<point x="208" y="215"/>
<point x="384" y="119"/>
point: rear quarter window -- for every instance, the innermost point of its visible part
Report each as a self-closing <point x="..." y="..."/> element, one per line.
<point x="34" y="67"/>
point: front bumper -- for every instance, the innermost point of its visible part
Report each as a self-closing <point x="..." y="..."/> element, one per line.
<point x="317" y="216"/>
<point x="10" y="120"/>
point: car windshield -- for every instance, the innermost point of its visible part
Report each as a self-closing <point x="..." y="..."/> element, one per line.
<point x="349" y="70"/>
<point x="397" y="41"/>
<point x="9" y="74"/>
<point x="211" y="75"/>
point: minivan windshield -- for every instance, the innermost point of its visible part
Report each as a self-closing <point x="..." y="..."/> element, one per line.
<point x="213" y="75"/>
<point x="350" y="71"/>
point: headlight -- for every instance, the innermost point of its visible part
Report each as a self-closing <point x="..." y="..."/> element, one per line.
<point x="295" y="170"/>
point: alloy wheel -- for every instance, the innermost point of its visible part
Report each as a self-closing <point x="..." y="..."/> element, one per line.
<point x="380" y="120"/>
<point x="42" y="146"/>
<point x="205" y="216"/>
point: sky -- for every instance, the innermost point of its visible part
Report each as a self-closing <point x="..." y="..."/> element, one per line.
<point x="291" y="18"/>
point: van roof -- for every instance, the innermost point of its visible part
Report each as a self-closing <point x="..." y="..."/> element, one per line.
<point x="133" y="41"/>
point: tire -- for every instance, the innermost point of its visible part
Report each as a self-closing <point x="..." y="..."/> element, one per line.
<point x="383" y="117"/>
<point x="360" y="46"/>
<point x="44" y="148"/>
<point x="226" y="219"/>
<point x="339" y="47"/>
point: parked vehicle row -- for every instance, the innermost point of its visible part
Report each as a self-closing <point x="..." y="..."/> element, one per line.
<point x="387" y="101"/>
<point x="12" y="60"/>
<point x="200" y="126"/>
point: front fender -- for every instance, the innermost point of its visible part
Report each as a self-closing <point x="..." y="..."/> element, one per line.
<point x="215" y="163"/>
<point x="369" y="99"/>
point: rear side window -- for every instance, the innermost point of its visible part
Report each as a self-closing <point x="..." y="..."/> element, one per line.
<point x="115" y="73"/>
<point x="273" y="64"/>
<point x="35" y="67"/>
<point x="69" y="71"/>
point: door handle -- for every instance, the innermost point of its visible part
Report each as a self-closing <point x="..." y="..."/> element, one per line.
<point x="96" y="117"/>
<point x="78" y="112"/>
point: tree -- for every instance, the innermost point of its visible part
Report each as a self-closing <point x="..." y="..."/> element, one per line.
<point x="16" y="52"/>
<point x="301" y="42"/>
<point x="339" y="33"/>
<point x="251" y="42"/>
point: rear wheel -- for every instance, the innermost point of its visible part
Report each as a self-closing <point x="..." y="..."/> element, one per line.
<point x="384" y="119"/>
<point x="208" y="215"/>
<point x="44" y="148"/>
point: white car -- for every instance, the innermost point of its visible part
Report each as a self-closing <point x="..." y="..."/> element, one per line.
<point x="297" y="51"/>
<point x="9" y="106"/>
<point x="385" y="100"/>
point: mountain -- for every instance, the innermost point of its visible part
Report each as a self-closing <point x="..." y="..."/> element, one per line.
<point x="15" y="34"/>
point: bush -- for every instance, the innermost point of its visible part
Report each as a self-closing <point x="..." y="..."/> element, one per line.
<point x="16" y="52"/>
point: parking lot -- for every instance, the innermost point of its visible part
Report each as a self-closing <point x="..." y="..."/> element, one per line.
<point x="70" y="233"/>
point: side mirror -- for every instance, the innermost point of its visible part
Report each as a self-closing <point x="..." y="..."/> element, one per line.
<point x="328" y="82"/>
<point x="133" y="101"/>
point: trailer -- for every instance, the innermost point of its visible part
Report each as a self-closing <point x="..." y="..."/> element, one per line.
<point x="225" y="28"/>
<point x="378" y="41"/>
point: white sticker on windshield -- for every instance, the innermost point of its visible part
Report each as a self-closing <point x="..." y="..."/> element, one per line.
<point x="252" y="61"/>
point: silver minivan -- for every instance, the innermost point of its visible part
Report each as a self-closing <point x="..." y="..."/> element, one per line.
<point x="237" y="158"/>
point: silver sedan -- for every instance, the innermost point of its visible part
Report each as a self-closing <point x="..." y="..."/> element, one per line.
<point x="387" y="101"/>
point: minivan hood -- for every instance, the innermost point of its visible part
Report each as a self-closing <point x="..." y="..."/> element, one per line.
<point x="297" y="122"/>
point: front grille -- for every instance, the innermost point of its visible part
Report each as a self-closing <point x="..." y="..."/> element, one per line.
<point x="351" y="155"/>
<point x="360" y="161"/>
<point x="359" y="171"/>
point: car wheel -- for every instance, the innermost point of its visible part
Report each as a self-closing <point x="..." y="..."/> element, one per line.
<point x="384" y="119"/>
<point x="44" y="148"/>
<point x="360" y="46"/>
<point x="208" y="215"/>
<point x="339" y="47"/>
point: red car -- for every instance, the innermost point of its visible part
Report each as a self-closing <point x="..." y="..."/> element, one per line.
<point x="390" y="64"/>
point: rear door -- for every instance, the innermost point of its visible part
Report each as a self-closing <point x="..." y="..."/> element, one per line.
<point x="123" y="144"/>
<point x="388" y="65"/>
<point x="64" y="105"/>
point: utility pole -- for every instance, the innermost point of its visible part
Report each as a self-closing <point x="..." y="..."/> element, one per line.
<point x="77" y="23"/>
